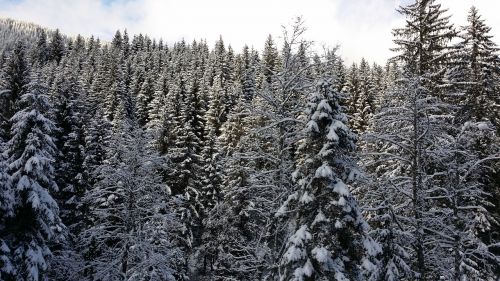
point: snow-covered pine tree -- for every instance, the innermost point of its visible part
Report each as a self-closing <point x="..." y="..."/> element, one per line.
<point x="117" y="41"/>
<point x="407" y="129"/>
<point x="330" y="239"/>
<point x="31" y="150"/>
<point x="363" y="103"/>
<point x="475" y="71"/>
<point x="409" y="174"/>
<point x="474" y="80"/>
<point x="125" y="44"/>
<point x="142" y="83"/>
<point x="6" y="212"/>
<point x="422" y="44"/>
<point x="248" y="73"/>
<point x="144" y="98"/>
<point x="234" y="225"/>
<point x="261" y="154"/>
<point x="90" y="63"/>
<point x="476" y="77"/>
<point x="184" y="169"/>
<point x="269" y="62"/>
<point x="131" y="236"/>
<point x="13" y="82"/>
<point x="57" y="46"/>
<point x="157" y="125"/>
<point x="96" y="132"/>
<point x="467" y="216"/>
<point x="209" y="153"/>
<point x="39" y="52"/>
<point x="96" y="79"/>
<point x="115" y="93"/>
<point x="213" y="177"/>
<point x="352" y="89"/>
<point x="67" y="93"/>
<point x="393" y="73"/>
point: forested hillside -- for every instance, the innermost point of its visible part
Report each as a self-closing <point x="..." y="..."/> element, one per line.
<point x="139" y="160"/>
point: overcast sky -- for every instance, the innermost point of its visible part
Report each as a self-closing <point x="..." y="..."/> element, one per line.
<point x="361" y="27"/>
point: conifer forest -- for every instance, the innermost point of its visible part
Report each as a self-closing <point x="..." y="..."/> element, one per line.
<point x="137" y="160"/>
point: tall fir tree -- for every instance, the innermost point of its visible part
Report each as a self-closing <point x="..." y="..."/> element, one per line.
<point x="417" y="110"/>
<point x="31" y="150"/>
<point x="131" y="236"/>
<point x="13" y="83"/>
<point x="7" y="201"/>
<point x="330" y="239"/>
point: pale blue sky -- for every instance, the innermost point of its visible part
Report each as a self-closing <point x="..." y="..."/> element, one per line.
<point x="361" y="27"/>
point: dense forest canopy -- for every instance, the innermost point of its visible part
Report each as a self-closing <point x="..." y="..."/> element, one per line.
<point x="138" y="160"/>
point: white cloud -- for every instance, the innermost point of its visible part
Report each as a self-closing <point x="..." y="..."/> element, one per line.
<point x="84" y="17"/>
<point x="362" y="27"/>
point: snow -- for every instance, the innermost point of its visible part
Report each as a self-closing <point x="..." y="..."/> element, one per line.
<point x="338" y="224"/>
<point x="3" y="247"/>
<point x="294" y="253"/>
<point x="306" y="198"/>
<point x="336" y="125"/>
<point x="306" y="270"/>
<point x="372" y="247"/>
<point x="324" y="171"/>
<point x="340" y="188"/>
<point x="483" y="126"/>
<point x="341" y="201"/>
<point x="320" y="217"/>
<point x="34" y="200"/>
<point x="332" y="135"/>
<point x="32" y="161"/>
<point x="255" y="172"/>
<point x="297" y="243"/>
<point x="323" y="256"/>
<point x="284" y="207"/>
<point x="312" y="126"/>
<point x="301" y="236"/>
<point x="324" y="106"/>
<point x="23" y="183"/>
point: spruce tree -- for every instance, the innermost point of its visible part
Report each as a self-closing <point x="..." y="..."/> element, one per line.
<point x="475" y="71"/>
<point x="57" y="46"/>
<point x="67" y="93"/>
<point x="131" y="236"/>
<point x="13" y="83"/>
<point x="7" y="201"/>
<point x="330" y="239"/>
<point x="409" y="126"/>
<point x="40" y="52"/>
<point x="31" y="150"/>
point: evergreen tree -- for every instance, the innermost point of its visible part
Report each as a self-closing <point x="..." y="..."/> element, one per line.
<point x="474" y="80"/>
<point x="57" y="46"/>
<point x="7" y="201"/>
<point x="476" y="71"/>
<point x="330" y="241"/>
<point x="352" y="89"/>
<point x="13" y="83"/>
<point x="132" y="224"/>
<point x="67" y="94"/>
<point x="269" y="62"/>
<point x="39" y="52"/>
<point x="363" y="105"/>
<point x="31" y="149"/>
<point x="467" y="216"/>
<point x="234" y="226"/>
<point x="422" y="44"/>
<point x="409" y="126"/>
